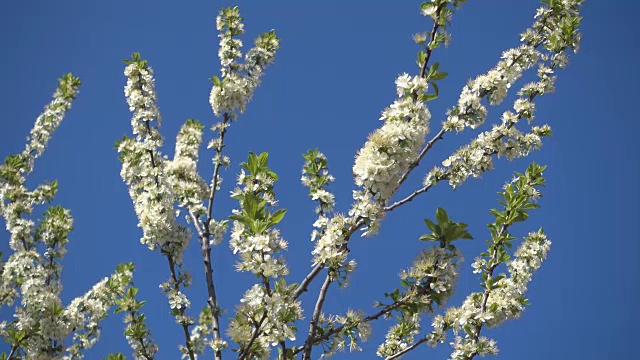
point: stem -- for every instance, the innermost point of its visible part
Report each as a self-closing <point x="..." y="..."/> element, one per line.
<point x="216" y="169"/>
<point x="304" y="285"/>
<point x="145" y="352"/>
<point x="416" y="162"/>
<point x="176" y="284"/>
<point x="487" y="291"/>
<point x="13" y="350"/>
<point x="205" y="246"/>
<point x="212" y="301"/>
<point x="245" y="352"/>
<point x="410" y="197"/>
<point x="434" y="30"/>
<point x="308" y="346"/>
<point x="176" y="287"/>
<point x="257" y="331"/>
<point x="413" y="346"/>
<point x="386" y="310"/>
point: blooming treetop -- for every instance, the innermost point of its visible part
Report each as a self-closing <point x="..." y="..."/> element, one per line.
<point x="173" y="201"/>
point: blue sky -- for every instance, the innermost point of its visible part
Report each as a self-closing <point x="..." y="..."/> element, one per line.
<point x="332" y="77"/>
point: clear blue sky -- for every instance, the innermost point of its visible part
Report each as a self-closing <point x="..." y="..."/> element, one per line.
<point x="332" y="77"/>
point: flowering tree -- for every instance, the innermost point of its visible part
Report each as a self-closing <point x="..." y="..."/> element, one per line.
<point x="174" y="202"/>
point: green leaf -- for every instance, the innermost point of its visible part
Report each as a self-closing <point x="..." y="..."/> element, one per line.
<point x="430" y="225"/>
<point x="241" y="219"/>
<point x="428" y="237"/>
<point x="441" y="216"/>
<point x="277" y="216"/>
<point x="435" y="88"/>
<point x="438" y="76"/>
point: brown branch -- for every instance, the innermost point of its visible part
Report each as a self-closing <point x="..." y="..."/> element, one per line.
<point x="386" y="310"/>
<point x="413" y="346"/>
<point x="245" y="352"/>
<point x="205" y="246"/>
<point x="176" y="284"/>
<point x="176" y="287"/>
<point x="316" y="315"/>
<point x="410" y="197"/>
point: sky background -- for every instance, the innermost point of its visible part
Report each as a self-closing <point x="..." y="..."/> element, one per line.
<point x="332" y="77"/>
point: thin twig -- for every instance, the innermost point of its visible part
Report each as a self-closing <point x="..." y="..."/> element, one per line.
<point x="176" y="287"/>
<point x="413" y="346"/>
<point x="410" y="197"/>
<point x="386" y="310"/>
<point x="245" y="352"/>
<point x="205" y="245"/>
<point x="307" y="280"/>
<point x="316" y="315"/>
<point x="487" y="291"/>
<point x="170" y="260"/>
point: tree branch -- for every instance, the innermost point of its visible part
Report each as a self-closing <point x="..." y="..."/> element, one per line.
<point x="176" y="287"/>
<point x="316" y="315"/>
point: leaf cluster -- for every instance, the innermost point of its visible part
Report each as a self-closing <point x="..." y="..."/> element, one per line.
<point x="255" y="213"/>
<point x="445" y="231"/>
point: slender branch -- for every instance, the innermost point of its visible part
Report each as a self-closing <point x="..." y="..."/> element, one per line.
<point x="145" y="351"/>
<point x="316" y="270"/>
<point x="487" y="291"/>
<point x="176" y="284"/>
<point x="205" y="246"/>
<point x="216" y="170"/>
<point x="434" y="31"/>
<point x="410" y="197"/>
<point x="245" y="352"/>
<point x="411" y="347"/>
<point x="176" y="287"/>
<point x="13" y="350"/>
<point x="304" y="285"/>
<point x="212" y="301"/>
<point x="386" y="310"/>
<point x="425" y="150"/>
<point x="316" y="315"/>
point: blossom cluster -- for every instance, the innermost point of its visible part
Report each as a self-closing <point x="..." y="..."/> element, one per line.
<point x="252" y="235"/>
<point x="476" y="158"/>
<point x="555" y="27"/>
<point x="274" y="310"/>
<point x="155" y="184"/>
<point x="503" y="140"/>
<point x="191" y="190"/>
<point x="400" y="336"/>
<point x="391" y="150"/>
<point x="430" y="280"/>
<point x="315" y="176"/>
<point x="469" y="111"/>
<point x="201" y="334"/>
<point x="330" y="248"/>
<point x="354" y="328"/>
<point x="239" y="81"/>
<point x="506" y="301"/>
<point x="144" y="169"/>
<point x="84" y="312"/>
<point x="50" y="119"/>
<point x="257" y="252"/>
<point x="42" y="323"/>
